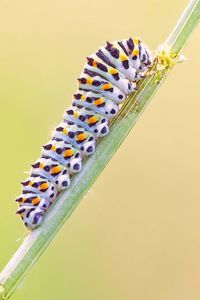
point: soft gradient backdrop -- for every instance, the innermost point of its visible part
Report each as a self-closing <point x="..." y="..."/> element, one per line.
<point x="136" y="235"/>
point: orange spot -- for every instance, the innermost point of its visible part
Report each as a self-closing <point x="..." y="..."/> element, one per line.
<point x="65" y="131"/>
<point x="76" y="114"/>
<point x="94" y="64"/>
<point x="113" y="71"/>
<point x="56" y="170"/>
<point x="35" y="201"/>
<point x="107" y="86"/>
<point x="41" y="166"/>
<point x="81" y="137"/>
<point x="30" y="183"/>
<point x="92" y="120"/>
<point x="83" y="97"/>
<point x="123" y="57"/>
<point x="44" y="186"/>
<point x="99" y="102"/>
<point x="53" y="148"/>
<point x="89" y="81"/>
<point x="68" y="153"/>
<point x="136" y="41"/>
<point x="135" y="52"/>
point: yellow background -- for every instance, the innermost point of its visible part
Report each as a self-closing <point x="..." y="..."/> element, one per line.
<point x="136" y="235"/>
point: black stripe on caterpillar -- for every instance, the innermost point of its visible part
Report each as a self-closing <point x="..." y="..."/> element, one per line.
<point x="109" y="76"/>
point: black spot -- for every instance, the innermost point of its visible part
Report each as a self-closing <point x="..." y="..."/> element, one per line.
<point x="96" y="83"/>
<point x="89" y="100"/>
<point x="70" y="112"/>
<point x="47" y="168"/>
<point x="19" y="200"/>
<point x="130" y="44"/>
<point x="65" y="183"/>
<point x="134" y="57"/>
<point x="125" y="64"/>
<point x="27" y="192"/>
<point x="143" y="58"/>
<point x="112" y="50"/>
<point x="90" y="73"/>
<point x="20" y="211"/>
<point x="76" y="167"/>
<point x="70" y="123"/>
<point x="59" y="129"/>
<point x="58" y="150"/>
<point x="77" y="96"/>
<point x="90" y="139"/>
<point x="90" y="60"/>
<point x="79" y="131"/>
<point x="36" y="165"/>
<point x="35" y="184"/>
<point x="95" y="131"/>
<point x="82" y="80"/>
<point x="116" y="76"/>
<point x="77" y="155"/>
<point x="71" y="135"/>
<point x="112" y="111"/>
<point x="104" y="130"/>
<point x="36" y="218"/>
<point x="120" y="97"/>
<point x="90" y="149"/>
<point x="25" y="183"/>
<point x="102" y="67"/>
<point x="82" y="118"/>
<point x="52" y="195"/>
<point x="64" y="172"/>
<point x="47" y="147"/>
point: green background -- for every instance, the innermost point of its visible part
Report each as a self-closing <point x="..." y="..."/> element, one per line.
<point x="136" y="235"/>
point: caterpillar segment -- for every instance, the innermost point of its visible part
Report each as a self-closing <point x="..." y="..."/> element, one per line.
<point x="65" y="154"/>
<point x="95" y="67"/>
<point x="98" y="84"/>
<point x="77" y="136"/>
<point x="96" y="103"/>
<point x="52" y="170"/>
<point x="92" y="122"/>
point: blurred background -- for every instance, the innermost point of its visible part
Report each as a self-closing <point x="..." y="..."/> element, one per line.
<point x="136" y="235"/>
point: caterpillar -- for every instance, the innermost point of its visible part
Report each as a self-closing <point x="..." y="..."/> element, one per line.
<point x="109" y="76"/>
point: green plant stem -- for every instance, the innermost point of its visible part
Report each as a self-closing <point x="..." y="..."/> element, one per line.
<point x="38" y="240"/>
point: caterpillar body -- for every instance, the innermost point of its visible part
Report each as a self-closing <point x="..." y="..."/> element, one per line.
<point x="109" y="76"/>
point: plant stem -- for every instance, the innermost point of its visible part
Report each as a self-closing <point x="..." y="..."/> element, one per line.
<point x="38" y="240"/>
<point x="185" y="25"/>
